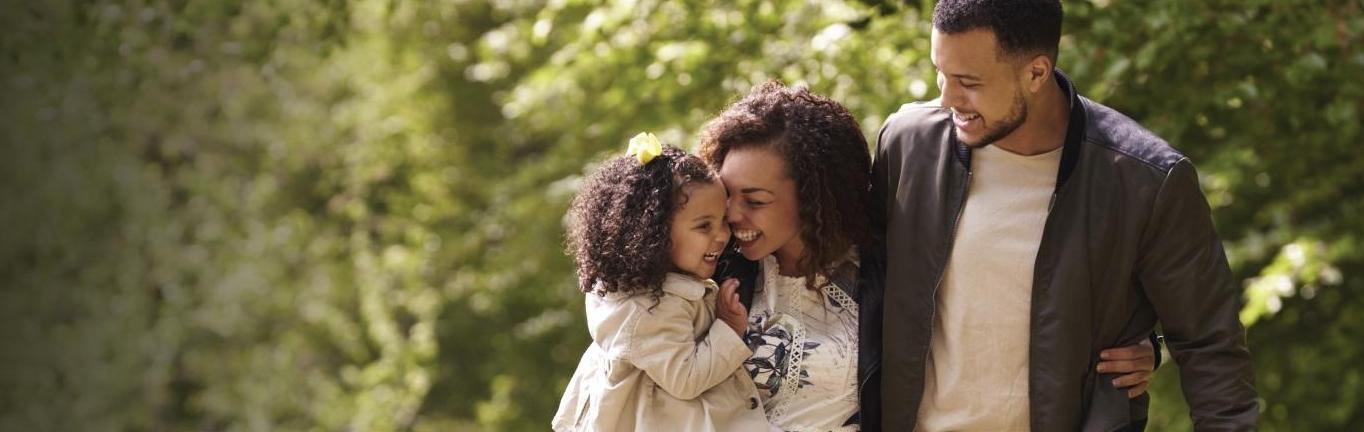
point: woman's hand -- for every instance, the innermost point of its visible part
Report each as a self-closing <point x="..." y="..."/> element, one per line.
<point x="1136" y="362"/>
<point x="730" y="309"/>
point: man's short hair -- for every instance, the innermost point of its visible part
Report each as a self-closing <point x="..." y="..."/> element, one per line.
<point x="1024" y="28"/>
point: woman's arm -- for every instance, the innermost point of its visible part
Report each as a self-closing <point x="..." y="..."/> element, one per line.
<point x="1136" y="362"/>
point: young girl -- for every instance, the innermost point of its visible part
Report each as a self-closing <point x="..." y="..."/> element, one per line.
<point x="645" y="231"/>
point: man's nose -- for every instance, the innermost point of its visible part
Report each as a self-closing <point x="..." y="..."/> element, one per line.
<point x="951" y="95"/>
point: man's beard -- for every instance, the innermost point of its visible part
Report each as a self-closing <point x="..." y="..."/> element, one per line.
<point x="1017" y="115"/>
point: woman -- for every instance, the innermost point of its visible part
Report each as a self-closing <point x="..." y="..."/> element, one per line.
<point x="798" y="173"/>
<point x="788" y="156"/>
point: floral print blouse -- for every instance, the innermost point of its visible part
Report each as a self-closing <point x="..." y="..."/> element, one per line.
<point x="804" y="360"/>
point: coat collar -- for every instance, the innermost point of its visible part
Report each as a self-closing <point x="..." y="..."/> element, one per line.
<point x="687" y="287"/>
<point x="1075" y="131"/>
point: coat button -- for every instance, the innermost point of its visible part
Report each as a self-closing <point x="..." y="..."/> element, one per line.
<point x="752" y="403"/>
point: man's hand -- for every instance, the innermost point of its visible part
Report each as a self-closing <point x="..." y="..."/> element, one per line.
<point x="730" y="309"/>
<point x="1136" y="362"/>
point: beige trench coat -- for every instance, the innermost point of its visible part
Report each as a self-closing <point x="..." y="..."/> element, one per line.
<point x="663" y="369"/>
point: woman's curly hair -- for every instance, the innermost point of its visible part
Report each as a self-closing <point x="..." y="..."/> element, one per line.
<point x="826" y="155"/>
<point x="619" y="223"/>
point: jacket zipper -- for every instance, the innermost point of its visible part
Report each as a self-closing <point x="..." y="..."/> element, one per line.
<point x="942" y="273"/>
<point x="933" y="312"/>
<point x="1055" y="197"/>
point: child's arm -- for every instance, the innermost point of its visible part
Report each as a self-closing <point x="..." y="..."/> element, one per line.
<point x="662" y="346"/>
<point x="729" y="308"/>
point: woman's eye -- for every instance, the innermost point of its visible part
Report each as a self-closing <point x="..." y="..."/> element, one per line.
<point x="752" y="203"/>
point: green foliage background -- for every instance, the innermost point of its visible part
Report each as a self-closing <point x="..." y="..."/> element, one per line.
<point x="346" y="215"/>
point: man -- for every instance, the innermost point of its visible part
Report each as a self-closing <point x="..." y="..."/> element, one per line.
<point x="1026" y="228"/>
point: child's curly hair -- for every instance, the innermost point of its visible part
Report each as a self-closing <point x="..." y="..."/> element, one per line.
<point x="826" y="156"/>
<point x="619" y="223"/>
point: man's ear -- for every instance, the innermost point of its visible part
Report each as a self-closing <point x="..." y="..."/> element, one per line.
<point x="1038" y="72"/>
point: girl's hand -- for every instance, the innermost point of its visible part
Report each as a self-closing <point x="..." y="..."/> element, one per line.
<point x="730" y="309"/>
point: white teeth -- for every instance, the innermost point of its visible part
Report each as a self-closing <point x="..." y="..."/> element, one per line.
<point x="747" y="235"/>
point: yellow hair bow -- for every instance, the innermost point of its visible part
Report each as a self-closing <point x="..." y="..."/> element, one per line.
<point x="645" y="147"/>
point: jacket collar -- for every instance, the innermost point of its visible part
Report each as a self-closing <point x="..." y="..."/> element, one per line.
<point x="687" y="287"/>
<point x="1075" y="131"/>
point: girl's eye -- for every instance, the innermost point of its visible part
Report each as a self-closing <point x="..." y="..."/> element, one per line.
<point x="704" y="226"/>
